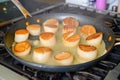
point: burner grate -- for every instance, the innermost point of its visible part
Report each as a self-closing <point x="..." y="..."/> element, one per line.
<point x="106" y="65"/>
<point x="85" y="76"/>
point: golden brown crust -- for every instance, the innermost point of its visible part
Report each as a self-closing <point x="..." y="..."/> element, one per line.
<point x="21" y="31"/>
<point x="42" y="50"/>
<point x="34" y="26"/>
<point x="70" y="21"/>
<point x="46" y="35"/>
<point x="71" y="38"/>
<point x="62" y="56"/>
<point x="21" y="46"/>
<point x="94" y="36"/>
<point x="87" y="48"/>
<point x="51" y="21"/>
<point x="50" y="25"/>
<point x="87" y="29"/>
<point x="69" y="28"/>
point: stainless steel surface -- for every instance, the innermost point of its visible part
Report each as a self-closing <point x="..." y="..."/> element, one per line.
<point x="113" y="74"/>
<point x="7" y="74"/>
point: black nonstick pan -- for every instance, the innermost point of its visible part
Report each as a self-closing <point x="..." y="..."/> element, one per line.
<point x="108" y="37"/>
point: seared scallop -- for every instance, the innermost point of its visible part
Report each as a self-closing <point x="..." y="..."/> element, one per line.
<point x="34" y="29"/>
<point x="64" y="58"/>
<point x="51" y="21"/>
<point x="21" y="35"/>
<point x="47" y="39"/>
<point x="41" y="54"/>
<point x="70" y="21"/>
<point x="51" y="25"/>
<point x="87" y="30"/>
<point x="87" y="52"/>
<point x="50" y="28"/>
<point x="95" y="39"/>
<point x="70" y="39"/>
<point x="22" y="49"/>
<point x="68" y="28"/>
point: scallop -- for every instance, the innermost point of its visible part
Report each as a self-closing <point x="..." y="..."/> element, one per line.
<point x="95" y="39"/>
<point x="21" y="35"/>
<point x="34" y="29"/>
<point x="41" y="54"/>
<point x="64" y="58"/>
<point x="22" y="49"/>
<point x="70" y="21"/>
<point x="68" y="28"/>
<point x="70" y="39"/>
<point x="87" y="30"/>
<point x="86" y="52"/>
<point x="51" y="25"/>
<point x="47" y="39"/>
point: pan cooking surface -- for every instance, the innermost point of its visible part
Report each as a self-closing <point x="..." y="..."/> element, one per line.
<point x="100" y="27"/>
<point x="59" y="47"/>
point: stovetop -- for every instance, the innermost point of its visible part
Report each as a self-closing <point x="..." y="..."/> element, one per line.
<point x="103" y="70"/>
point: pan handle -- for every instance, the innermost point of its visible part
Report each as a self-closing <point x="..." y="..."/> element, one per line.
<point x="2" y="35"/>
<point x="118" y="42"/>
<point x="21" y="8"/>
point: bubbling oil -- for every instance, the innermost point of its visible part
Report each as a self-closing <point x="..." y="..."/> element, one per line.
<point x="59" y="47"/>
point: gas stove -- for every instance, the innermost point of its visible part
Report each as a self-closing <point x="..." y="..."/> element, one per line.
<point x="106" y="69"/>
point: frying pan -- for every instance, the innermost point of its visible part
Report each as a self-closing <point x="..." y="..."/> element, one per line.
<point x="108" y="37"/>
